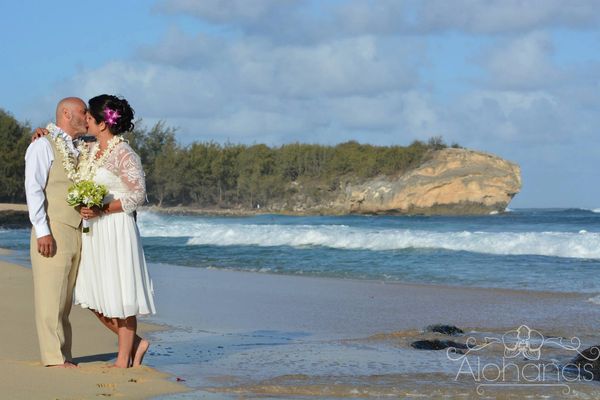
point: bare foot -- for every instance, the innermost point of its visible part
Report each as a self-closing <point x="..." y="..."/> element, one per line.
<point x="140" y="352"/>
<point x="120" y="365"/>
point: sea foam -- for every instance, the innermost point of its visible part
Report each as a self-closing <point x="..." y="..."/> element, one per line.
<point x="595" y="300"/>
<point x="207" y="232"/>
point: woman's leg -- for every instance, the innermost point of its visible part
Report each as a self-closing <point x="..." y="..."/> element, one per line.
<point x="107" y="322"/>
<point x="140" y="346"/>
<point x="126" y="332"/>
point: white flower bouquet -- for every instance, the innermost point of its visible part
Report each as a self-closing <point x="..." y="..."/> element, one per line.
<point x="88" y="194"/>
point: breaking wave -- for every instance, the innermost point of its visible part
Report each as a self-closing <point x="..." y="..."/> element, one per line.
<point x="203" y="232"/>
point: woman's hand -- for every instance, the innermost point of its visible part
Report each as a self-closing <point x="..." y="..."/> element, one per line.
<point x="39" y="133"/>
<point x="89" y="213"/>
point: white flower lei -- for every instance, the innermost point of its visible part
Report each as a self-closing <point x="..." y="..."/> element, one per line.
<point x="89" y="164"/>
<point x="69" y="159"/>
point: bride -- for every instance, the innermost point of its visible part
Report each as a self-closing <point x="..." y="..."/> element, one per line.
<point x="113" y="280"/>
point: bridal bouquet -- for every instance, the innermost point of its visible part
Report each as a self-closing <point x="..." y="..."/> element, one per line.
<point x="88" y="194"/>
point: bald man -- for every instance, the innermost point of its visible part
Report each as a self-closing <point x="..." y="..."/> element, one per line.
<point x="56" y="234"/>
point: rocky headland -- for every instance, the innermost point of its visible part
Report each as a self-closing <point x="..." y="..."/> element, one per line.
<point x="452" y="182"/>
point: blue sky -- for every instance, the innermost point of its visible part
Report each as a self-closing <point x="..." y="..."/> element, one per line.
<point x="518" y="78"/>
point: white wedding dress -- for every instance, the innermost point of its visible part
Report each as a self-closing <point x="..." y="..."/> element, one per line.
<point x="113" y="277"/>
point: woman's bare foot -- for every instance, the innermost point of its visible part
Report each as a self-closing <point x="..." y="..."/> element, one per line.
<point x="118" y="364"/>
<point x="140" y="352"/>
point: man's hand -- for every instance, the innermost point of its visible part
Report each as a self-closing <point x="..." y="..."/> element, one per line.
<point x="46" y="246"/>
<point x="39" y="132"/>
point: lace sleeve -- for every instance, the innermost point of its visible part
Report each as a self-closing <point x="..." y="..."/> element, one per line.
<point x="130" y="170"/>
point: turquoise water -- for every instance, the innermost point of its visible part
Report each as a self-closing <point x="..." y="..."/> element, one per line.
<point x="537" y="249"/>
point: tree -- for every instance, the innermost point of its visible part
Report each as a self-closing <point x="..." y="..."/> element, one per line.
<point x="15" y="138"/>
<point x="165" y="177"/>
<point x="225" y="169"/>
<point x="161" y="157"/>
<point x="255" y="163"/>
<point x="436" y="143"/>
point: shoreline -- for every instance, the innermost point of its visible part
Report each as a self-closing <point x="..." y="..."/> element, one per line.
<point x="433" y="302"/>
<point x="23" y="377"/>
<point x="318" y="211"/>
<point x="277" y="336"/>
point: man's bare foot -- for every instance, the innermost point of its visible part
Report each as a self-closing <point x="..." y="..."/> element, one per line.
<point x="140" y="352"/>
<point x="66" y="364"/>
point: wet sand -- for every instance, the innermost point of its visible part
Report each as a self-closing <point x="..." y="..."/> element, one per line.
<point x="261" y="335"/>
<point x="227" y="300"/>
<point x="23" y="377"/>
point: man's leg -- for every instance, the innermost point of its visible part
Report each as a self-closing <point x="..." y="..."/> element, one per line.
<point x="75" y="247"/>
<point x="50" y="276"/>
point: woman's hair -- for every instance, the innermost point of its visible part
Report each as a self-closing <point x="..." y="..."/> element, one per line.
<point x="115" y="112"/>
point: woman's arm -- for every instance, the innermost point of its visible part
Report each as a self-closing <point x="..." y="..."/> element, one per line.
<point x="132" y="175"/>
<point x="128" y="167"/>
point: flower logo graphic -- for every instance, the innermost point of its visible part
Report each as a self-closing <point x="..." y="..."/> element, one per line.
<point x="523" y="341"/>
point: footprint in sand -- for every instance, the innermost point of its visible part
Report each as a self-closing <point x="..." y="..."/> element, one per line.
<point x="106" y="385"/>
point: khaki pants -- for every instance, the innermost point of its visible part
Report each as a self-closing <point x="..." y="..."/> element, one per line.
<point x="53" y="282"/>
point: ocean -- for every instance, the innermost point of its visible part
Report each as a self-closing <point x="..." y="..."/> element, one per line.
<point x="253" y="308"/>
<point x="533" y="249"/>
<point x="557" y="250"/>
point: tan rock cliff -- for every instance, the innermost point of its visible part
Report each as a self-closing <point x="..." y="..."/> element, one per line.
<point x="454" y="181"/>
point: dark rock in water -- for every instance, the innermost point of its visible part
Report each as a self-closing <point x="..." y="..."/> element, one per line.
<point x="450" y="330"/>
<point x="437" y="345"/>
<point x="14" y="219"/>
<point x="588" y="362"/>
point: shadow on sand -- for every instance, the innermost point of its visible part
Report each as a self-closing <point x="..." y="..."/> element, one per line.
<point x="95" y="357"/>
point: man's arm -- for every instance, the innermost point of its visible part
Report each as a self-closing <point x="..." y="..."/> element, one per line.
<point x="38" y="160"/>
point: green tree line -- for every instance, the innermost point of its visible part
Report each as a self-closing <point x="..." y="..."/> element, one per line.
<point x="15" y="137"/>
<point x="210" y="174"/>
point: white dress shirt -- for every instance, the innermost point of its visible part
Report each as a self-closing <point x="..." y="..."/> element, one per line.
<point x="38" y="160"/>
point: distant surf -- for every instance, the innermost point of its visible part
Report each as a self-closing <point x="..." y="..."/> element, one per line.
<point x="206" y="232"/>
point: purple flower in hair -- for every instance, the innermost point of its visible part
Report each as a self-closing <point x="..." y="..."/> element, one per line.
<point x="111" y="116"/>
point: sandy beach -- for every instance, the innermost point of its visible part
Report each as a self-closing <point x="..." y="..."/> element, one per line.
<point x="23" y="377"/>
<point x="13" y="207"/>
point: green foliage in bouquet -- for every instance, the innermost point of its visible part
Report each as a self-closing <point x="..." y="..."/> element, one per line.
<point x="87" y="193"/>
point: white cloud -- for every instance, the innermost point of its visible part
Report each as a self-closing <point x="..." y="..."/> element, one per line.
<point x="523" y="63"/>
<point x="227" y="11"/>
<point x="183" y="50"/>
<point x="303" y="19"/>
<point x="356" y="88"/>
<point x="342" y="67"/>
<point x="505" y="16"/>
<point x="512" y="117"/>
